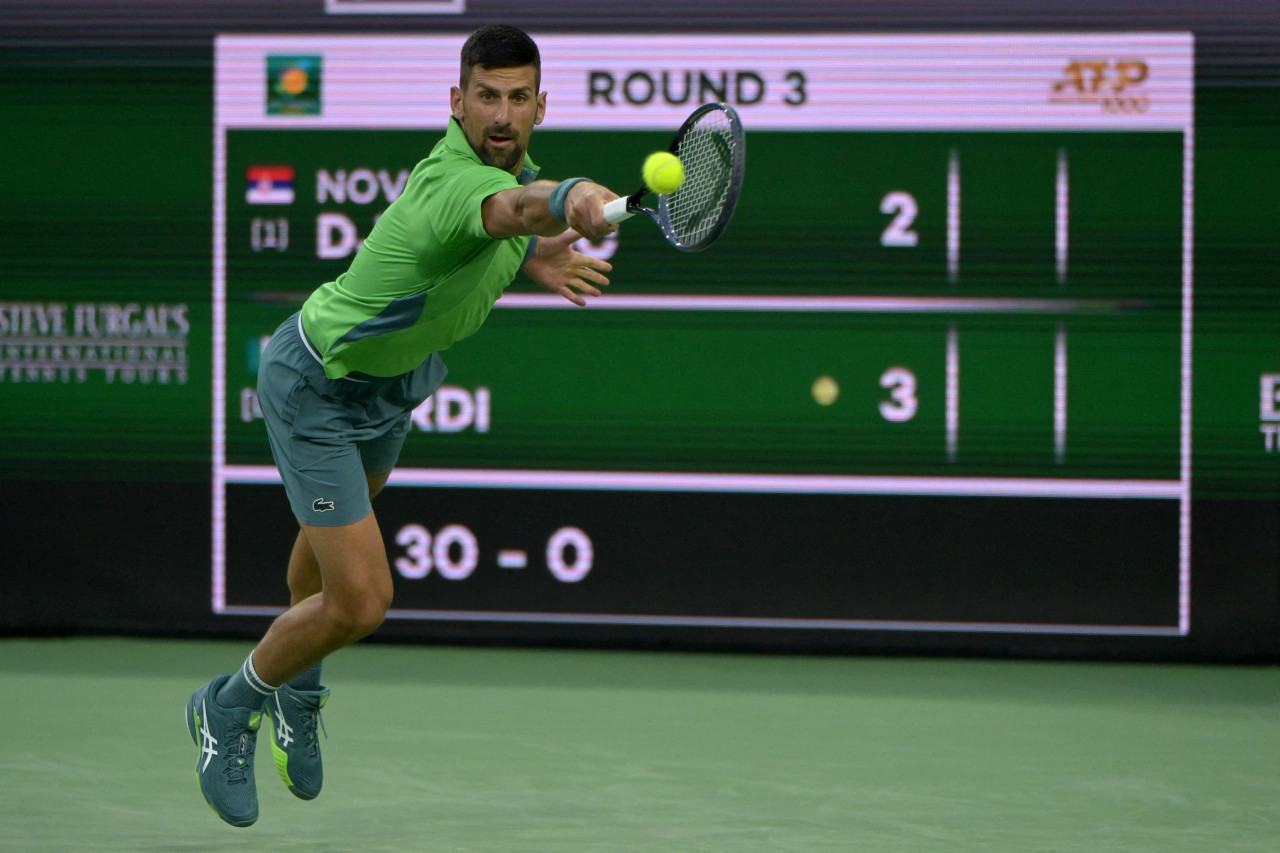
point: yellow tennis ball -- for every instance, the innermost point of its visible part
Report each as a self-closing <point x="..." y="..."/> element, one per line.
<point x="663" y="172"/>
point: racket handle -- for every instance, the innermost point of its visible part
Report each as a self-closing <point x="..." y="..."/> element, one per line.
<point x="616" y="211"/>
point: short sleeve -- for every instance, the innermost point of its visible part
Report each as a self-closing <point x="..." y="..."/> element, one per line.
<point x="456" y="203"/>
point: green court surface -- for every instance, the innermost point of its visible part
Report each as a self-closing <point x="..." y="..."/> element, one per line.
<point x="467" y="749"/>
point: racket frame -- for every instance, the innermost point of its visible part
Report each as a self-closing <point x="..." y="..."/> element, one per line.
<point x="624" y="208"/>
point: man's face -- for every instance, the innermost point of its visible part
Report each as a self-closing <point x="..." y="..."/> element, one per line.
<point x="498" y="111"/>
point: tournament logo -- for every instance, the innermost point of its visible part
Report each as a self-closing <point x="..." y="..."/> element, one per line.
<point x="293" y="85"/>
<point x="268" y="185"/>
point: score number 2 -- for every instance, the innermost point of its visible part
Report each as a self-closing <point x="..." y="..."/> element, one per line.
<point x="903" y="208"/>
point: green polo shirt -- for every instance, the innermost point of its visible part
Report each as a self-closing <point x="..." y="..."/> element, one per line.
<point x="427" y="275"/>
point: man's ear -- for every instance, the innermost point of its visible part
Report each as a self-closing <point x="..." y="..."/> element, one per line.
<point x="455" y="102"/>
<point x="542" y="108"/>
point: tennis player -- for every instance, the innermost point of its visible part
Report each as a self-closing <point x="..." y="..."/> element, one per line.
<point x="338" y="382"/>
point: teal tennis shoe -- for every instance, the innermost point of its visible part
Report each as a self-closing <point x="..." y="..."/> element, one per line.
<point x="295" y="741"/>
<point x="226" y="738"/>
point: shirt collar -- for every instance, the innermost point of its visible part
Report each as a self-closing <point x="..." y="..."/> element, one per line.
<point x="456" y="139"/>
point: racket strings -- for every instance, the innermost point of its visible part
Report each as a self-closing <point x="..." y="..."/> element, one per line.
<point x="706" y="151"/>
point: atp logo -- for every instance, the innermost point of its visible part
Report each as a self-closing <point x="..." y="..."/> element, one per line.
<point x="321" y="505"/>
<point x="1115" y="85"/>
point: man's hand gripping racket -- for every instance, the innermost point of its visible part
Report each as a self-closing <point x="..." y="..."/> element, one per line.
<point x="711" y="146"/>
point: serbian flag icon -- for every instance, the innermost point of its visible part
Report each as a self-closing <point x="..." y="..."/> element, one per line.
<point x="268" y="185"/>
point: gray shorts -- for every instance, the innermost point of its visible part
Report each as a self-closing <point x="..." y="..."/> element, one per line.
<point x="327" y="434"/>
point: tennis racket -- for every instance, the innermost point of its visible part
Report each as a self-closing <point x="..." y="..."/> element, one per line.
<point x="712" y="149"/>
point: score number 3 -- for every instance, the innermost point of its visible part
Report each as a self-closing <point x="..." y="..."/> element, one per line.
<point x="902" y="403"/>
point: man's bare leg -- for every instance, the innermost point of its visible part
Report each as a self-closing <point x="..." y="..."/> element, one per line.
<point x="304" y="569"/>
<point x="336" y="598"/>
<point x="354" y="593"/>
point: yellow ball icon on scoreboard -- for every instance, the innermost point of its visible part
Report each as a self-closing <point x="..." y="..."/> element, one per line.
<point x="825" y="390"/>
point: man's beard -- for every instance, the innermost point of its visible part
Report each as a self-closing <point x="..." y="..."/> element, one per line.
<point x="504" y="159"/>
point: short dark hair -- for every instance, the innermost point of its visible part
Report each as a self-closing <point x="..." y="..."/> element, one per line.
<point x="499" y="46"/>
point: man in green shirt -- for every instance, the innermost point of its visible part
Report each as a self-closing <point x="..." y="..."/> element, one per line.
<point x="338" y="382"/>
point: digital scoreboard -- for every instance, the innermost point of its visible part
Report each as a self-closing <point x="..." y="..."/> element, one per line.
<point x="936" y="376"/>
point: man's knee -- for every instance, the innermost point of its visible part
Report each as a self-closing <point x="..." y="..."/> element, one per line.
<point x="360" y="614"/>
<point x="355" y="576"/>
<point x="373" y="611"/>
